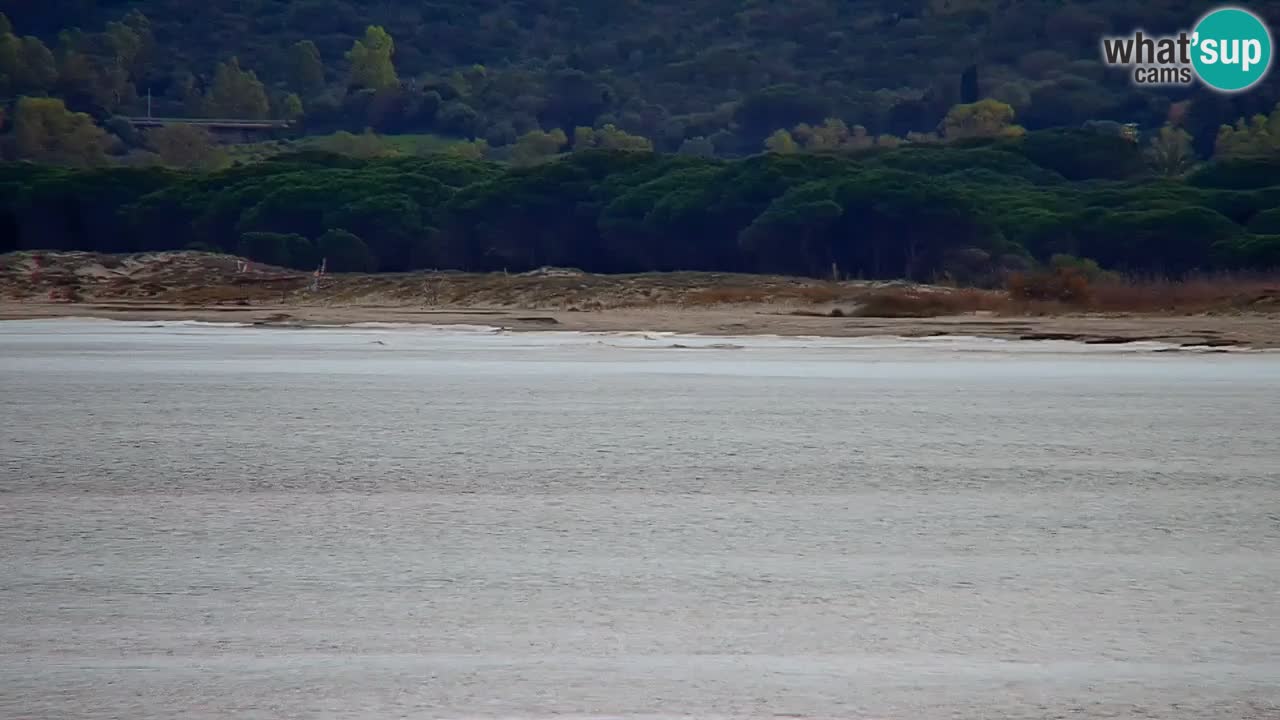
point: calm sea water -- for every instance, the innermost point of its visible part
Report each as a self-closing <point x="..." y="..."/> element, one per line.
<point x="208" y="522"/>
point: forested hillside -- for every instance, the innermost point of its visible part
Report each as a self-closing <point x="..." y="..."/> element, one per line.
<point x="922" y="139"/>
<point x="706" y="77"/>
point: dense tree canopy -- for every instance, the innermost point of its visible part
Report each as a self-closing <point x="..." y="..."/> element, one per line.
<point x="919" y="211"/>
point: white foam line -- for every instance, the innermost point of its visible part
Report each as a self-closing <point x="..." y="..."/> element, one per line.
<point x="112" y="322"/>
<point x="421" y="327"/>
<point x="651" y="339"/>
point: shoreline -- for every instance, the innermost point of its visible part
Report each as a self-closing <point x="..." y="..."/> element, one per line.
<point x="1252" y="330"/>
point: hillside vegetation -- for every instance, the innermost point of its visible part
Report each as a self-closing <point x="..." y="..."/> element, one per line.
<point x="957" y="140"/>
<point x="521" y="79"/>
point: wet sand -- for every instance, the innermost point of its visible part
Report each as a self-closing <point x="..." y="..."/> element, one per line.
<point x="1257" y="330"/>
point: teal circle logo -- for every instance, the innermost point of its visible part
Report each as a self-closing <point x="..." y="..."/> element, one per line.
<point x="1231" y="49"/>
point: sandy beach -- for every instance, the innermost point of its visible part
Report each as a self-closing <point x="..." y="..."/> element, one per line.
<point x="1252" y="330"/>
<point x="221" y="288"/>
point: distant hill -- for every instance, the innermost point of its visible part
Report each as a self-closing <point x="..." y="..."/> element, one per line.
<point x="721" y="73"/>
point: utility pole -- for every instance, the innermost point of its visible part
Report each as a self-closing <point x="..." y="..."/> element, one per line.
<point x="315" y="279"/>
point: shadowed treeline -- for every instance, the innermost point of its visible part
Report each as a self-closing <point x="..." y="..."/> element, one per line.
<point x="969" y="212"/>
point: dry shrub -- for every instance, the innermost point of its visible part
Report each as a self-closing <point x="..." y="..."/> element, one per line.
<point x="221" y="294"/>
<point x="1066" y="285"/>
<point x="737" y="295"/>
<point x="725" y="296"/>
<point x="1202" y="293"/>
<point x="915" y="303"/>
<point x="66" y="293"/>
<point x="1063" y="290"/>
<point x="814" y="294"/>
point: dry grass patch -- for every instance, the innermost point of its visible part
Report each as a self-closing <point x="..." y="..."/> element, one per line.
<point x="1059" y="292"/>
<point x="725" y="296"/>
<point x="914" y="302"/>
<point x="1207" y="293"/>
<point x="763" y="294"/>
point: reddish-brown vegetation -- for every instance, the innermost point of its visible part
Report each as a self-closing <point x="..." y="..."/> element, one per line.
<point x="909" y="302"/>
<point x="1065" y="285"/>
<point x="195" y="279"/>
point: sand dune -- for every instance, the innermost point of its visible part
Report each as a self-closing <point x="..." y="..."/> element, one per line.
<point x="202" y="286"/>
